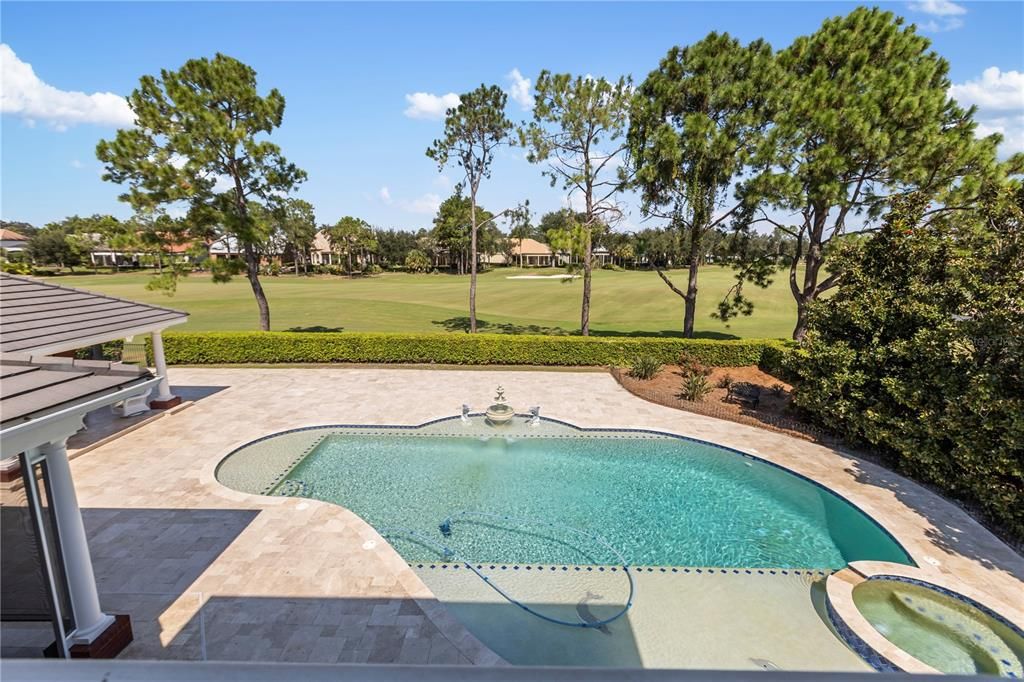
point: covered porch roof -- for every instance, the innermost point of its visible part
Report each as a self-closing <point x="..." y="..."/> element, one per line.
<point x="32" y="388"/>
<point x="42" y="318"/>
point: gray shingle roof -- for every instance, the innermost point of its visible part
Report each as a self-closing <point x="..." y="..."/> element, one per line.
<point x="31" y="387"/>
<point x="38" y="315"/>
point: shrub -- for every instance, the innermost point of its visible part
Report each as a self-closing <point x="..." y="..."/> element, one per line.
<point x="690" y="364"/>
<point x="777" y="360"/>
<point x="16" y="268"/>
<point x="611" y="266"/>
<point x="695" y="387"/>
<point x="417" y="261"/>
<point x="373" y="269"/>
<point x="919" y="351"/>
<point x="644" y="367"/>
<point x="459" y="349"/>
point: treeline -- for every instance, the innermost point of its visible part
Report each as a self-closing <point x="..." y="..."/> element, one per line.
<point x="722" y="141"/>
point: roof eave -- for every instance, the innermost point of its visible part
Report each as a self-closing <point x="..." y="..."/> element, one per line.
<point x="84" y="342"/>
<point x="64" y="422"/>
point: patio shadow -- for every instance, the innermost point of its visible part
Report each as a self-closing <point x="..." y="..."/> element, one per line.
<point x="952" y="530"/>
<point x="389" y="630"/>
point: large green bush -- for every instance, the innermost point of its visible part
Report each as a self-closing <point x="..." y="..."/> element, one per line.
<point x="454" y="349"/>
<point x="921" y="351"/>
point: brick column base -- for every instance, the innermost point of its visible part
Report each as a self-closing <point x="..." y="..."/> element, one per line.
<point x="109" y="644"/>
<point x="164" y="404"/>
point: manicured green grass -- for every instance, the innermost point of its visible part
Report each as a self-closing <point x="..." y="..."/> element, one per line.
<point x="631" y="302"/>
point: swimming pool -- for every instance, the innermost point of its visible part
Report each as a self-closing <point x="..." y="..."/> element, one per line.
<point x="661" y="500"/>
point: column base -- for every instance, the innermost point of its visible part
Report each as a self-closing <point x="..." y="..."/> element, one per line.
<point x="108" y="644"/>
<point x="173" y="401"/>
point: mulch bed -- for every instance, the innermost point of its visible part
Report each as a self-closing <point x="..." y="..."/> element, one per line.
<point x="772" y="412"/>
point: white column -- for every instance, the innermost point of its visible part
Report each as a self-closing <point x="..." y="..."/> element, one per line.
<point x="90" y="621"/>
<point x="164" y="388"/>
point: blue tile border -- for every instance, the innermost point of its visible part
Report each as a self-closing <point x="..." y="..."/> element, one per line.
<point x="860" y="647"/>
<point x="653" y="432"/>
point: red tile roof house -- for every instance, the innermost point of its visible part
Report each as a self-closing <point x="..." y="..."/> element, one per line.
<point x="12" y="241"/>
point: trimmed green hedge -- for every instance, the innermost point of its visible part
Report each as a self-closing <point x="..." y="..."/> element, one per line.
<point x="455" y="349"/>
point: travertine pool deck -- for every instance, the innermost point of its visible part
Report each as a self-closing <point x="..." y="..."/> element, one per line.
<point x="211" y="573"/>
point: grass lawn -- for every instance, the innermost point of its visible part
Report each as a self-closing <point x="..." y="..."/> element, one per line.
<point x="623" y="302"/>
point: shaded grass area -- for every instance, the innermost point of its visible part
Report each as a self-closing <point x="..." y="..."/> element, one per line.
<point x="624" y="303"/>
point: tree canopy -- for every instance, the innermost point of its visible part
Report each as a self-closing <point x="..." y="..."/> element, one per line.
<point x="860" y="113"/>
<point x="473" y="132"/>
<point x="199" y="140"/>
<point x="697" y="120"/>
<point x="578" y="130"/>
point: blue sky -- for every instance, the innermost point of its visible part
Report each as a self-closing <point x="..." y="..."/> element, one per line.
<point x="347" y="71"/>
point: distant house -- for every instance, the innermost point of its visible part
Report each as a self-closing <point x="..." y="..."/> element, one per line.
<point x="321" y="253"/>
<point x="530" y="253"/>
<point x="12" y="241"/>
<point x="602" y="255"/>
<point x="225" y="248"/>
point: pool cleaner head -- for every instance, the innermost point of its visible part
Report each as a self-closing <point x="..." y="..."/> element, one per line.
<point x="446" y="527"/>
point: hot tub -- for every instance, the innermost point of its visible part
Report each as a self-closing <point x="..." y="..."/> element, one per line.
<point x="908" y="623"/>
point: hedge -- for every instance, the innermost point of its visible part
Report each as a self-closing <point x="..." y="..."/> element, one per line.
<point x="457" y="349"/>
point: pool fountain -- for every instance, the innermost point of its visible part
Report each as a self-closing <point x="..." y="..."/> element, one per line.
<point x="499" y="412"/>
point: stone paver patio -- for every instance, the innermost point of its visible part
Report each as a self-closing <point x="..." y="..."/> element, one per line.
<point x="210" y="573"/>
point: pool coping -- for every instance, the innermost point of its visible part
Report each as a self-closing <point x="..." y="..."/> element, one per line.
<point x="868" y="642"/>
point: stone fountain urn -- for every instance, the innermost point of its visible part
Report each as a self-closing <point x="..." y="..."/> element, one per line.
<point x="500" y="412"/>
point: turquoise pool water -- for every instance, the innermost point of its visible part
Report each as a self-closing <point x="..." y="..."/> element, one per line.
<point x="661" y="501"/>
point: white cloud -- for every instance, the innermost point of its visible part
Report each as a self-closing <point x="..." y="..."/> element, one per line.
<point x="948" y="24"/>
<point x="946" y="15"/>
<point x="519" y="90"/>
<point x="75" y="163"/>
<point x="426" y="204"/>
<point x="938" y="8"/>
<point x="999" y="96"/>
<point x="430" y="106"/>
<point x="995" y="89"/>
<point x="23" y="94"/>
<point x="385" y="194"/>
<point x="1010" y="127"/>
<point x="442" y="181"/>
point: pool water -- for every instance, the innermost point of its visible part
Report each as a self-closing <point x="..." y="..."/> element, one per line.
<point x="950" y="635"/>
<point x="660" y="500"/>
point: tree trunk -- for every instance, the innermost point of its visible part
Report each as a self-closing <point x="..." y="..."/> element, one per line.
<point x="813" y="261"/>
<point x="348" y="255"/>
<point x="472" y="264"/>
<point x="800" y="331"/>
<point x="690" y="299"/>
<point x="252" y="263"/>
<point x="588" y="270"/>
